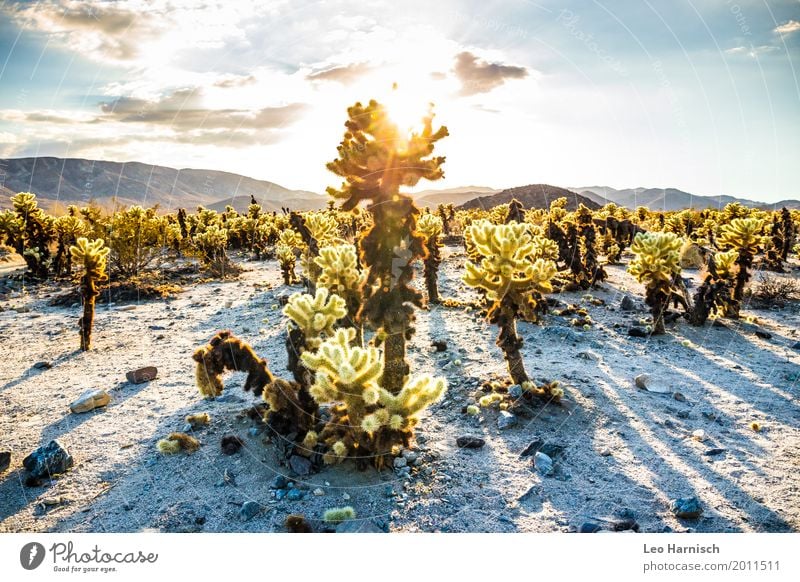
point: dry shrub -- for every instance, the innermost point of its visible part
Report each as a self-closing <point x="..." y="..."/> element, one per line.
<point x="776" y="291"/>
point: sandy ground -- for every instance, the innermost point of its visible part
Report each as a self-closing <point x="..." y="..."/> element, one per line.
<point x="623" y="448"/>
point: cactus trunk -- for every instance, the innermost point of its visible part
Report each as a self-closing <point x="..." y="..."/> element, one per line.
<point x="509" y="341"/>
<point x="395" y="368"/>
<point x="86" y="321"/>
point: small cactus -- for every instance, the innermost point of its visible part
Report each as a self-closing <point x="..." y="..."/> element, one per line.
<point x="91" y="256"/>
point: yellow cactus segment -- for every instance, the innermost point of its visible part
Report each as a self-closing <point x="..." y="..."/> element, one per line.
<point x="323" y="227"/>
<point x="91" y="255"/>
<point x="507" y="264"/>
<point x="742" y="233"/>
<point x="544" y="248"/>
<point x="417" y="394"/>
<point x="430" y="226"/>
<point x="290" y="238"/>
<point x="657" y="258"/>
<point x="316" y="315"/>
<point x="726" y="263"/>
<point x="339" y="265"/>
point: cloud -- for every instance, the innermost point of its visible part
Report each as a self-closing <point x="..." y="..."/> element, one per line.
<point x="344" y="74"/>
<point x="230" y="81"/>
<point x="751" y="51"/>
<point x="183" y="110"/>
<point x="479" y="76"/>
<point x="787" y="27"/>
<point x="109" y="30"/>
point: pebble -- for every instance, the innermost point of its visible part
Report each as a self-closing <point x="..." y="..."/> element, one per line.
<point x="142" y="375"/>
<point x="44" y="365"/>
<point x="249" y="510"/>
<point x="50" y="459"/>
<point x="187" y="427"/>
<point x="90" y="400"/>
<point x="410" y="456"/>
<point x="605" y="453"/>
<point x="714" y="452"/>
<point x="400" y="462"/>
<point x="679" y="397"/>
<point x="637" y="332"/>
<point x="470" y="442"/>
<point x="589" y="355"/>
<point x="318" y="492"/>
<point x="345" y="496"/>
<point x="699" y="435"/>
<point x="641" y="381"/>
<point x="590" y="527"/>
<point x="280" y="494"/>
<point x="543" y="464"/>
<point x="506" y="420"/>
<point x="627" y="304"/>
<point x="5" y="460"/>
<point x="686" y="507"/>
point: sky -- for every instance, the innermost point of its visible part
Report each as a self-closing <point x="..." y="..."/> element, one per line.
<point x="700" y="95"/>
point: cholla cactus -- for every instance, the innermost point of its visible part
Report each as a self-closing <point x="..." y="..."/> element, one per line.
<point x="743" y="236"/>
<point x="30" y="231"/>
<point x="288" y="241"/>
<point x="370" y="421"/>
<point x="656" y="264"/>
<point x="91" y="256"/>
<point x="340" y="274"/>
<point x="313" y="319"/>
<point x="513" y="281"/>
<point x="212" y="243"/>
<point x="68" y="229"/>
<point x="714" y="295"/>
<point x="430" y="226"/>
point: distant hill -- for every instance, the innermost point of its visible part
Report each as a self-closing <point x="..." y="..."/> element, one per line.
<point x="532" y="196"/>
<point x="57" y="181"/>
<point x="455" y="196"/>
<point x="669" y="198"/>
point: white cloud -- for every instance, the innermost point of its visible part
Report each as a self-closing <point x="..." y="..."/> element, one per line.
<point x="788" y="27"/>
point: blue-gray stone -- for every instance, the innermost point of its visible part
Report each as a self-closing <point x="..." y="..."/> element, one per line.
<point x="686" y="507"/>
<point x="543" y="464"/>
<point x="506" y="420"/>
<point x="50" y="459"/>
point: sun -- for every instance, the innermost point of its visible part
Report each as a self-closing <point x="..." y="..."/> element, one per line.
<point x="405" y="109"/>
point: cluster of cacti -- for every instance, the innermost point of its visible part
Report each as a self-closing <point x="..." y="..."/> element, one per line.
<point x="513" y="280"/>
<point x="30" y="232"/>
<point x="227" y="352"/>
<point x="656" y="264"/>
<point x="91" y="256"/>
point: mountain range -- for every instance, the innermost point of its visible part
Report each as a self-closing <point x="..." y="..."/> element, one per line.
<point x="58" y="182"/>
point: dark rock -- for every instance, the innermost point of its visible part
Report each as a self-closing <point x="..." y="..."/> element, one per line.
<point x="50" y="459"/>
<point x="552" y="450"/>
<point x="637" y="332"/>
<point x="506" y="420"/>
<point x="5" y="460"/>
<point x="280" y="482"/>
<point x="440" y="345"/>
<point x="590" y="527"/>
<point x="142" y="375"/>
<point x="231" y="444"/>
<point x="713" y="452"/>
<point x="280" y="494"/>
<point x="627" y="304"/>
<point x="295" y="494"/>
<point x="679" y="397"/>
<point x="470" y="442"/>
<point x="624" y="520"/>
<point x="796" y="346"/>
<point x="358" y="526"/>
<point x="249" y="510"/>
<point x="300" y="465"/>
<point x="532" y="448"/>
<point x="42" y="365"/>
<point x="763" y="334"/>
<point x="686" y="507"/>
<point x="515" y="391"/>
<point x="32" y="481"/>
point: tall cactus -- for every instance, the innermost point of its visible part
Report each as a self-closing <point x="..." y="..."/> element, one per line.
<point x="431" y="228"/>
<point x="91" y="256"/>
<point x="375" y="159"/>
<point x="742" y="235"/>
